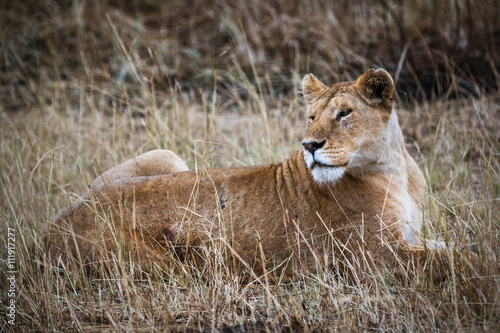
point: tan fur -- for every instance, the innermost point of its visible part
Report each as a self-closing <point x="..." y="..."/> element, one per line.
<point x="152" y="163"/>
<point x="357" y="200"/>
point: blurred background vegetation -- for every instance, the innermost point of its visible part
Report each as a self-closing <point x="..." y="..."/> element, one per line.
<point x="432" y="48"/>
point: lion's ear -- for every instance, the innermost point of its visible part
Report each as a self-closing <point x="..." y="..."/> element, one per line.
<point x="312" y="88"/>
<point x="376" y="88"/>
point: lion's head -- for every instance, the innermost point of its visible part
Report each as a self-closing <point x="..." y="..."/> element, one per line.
<point x="349" y="124"/>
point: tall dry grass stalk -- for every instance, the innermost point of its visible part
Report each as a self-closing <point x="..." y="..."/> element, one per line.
<point x="88" y="85"/>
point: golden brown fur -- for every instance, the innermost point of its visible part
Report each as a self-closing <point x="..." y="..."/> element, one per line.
<point x="352" y="194"/>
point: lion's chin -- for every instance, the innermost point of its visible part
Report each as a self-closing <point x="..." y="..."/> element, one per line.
<point x="327" y="174"/>
<point x="324" y="173"/>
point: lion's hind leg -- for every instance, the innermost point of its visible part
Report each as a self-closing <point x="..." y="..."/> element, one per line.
<point x="89" y="228"/>
<point x="154" y="162"/>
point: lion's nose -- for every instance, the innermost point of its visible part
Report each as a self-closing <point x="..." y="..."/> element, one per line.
<point x="312" y="145"/>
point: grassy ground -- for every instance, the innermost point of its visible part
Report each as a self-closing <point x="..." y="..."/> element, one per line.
<point x="88" y="85"/>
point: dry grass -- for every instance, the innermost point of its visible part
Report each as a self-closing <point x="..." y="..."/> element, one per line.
<point x="86" y="86"/>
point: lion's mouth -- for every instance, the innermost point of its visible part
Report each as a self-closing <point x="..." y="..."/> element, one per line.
<point x="321" y="165"/>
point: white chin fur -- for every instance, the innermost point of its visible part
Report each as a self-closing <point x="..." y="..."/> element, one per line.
<point x="322" y="174"/>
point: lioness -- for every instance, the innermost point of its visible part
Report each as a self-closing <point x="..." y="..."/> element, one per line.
<point x="352" y="196"/>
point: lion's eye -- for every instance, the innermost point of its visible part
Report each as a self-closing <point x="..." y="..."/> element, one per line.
<point x="310" y="120"/>
<point x="343" y="113"/>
